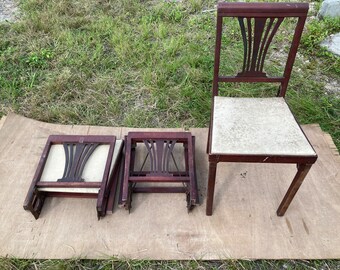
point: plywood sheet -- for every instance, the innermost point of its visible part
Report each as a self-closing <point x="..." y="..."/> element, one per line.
<point x="244" y="223"/>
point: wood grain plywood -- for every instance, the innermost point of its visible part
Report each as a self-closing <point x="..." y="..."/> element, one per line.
<point x="244" y="223"/>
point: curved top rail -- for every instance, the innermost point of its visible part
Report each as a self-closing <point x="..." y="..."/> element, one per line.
<point x="236" y="9"/>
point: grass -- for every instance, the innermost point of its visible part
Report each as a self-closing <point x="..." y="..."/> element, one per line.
<point x="124" y="64"/>
<point x="145" y="64"/>
<point x="185" y="265"/>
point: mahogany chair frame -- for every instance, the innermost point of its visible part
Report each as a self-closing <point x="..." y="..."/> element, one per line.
<point x="159" y="146"/>
<point x="81" y="148"/>
<point x="252" y="71"/>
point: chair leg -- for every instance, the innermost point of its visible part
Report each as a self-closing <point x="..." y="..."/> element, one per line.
<point x="34" y="203"/>
<point x="211" y="187"/>
<point x="294" y="187"/>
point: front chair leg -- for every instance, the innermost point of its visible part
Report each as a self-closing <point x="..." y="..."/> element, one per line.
<point x="294" y="187"/>
<point x="211" y="187"/>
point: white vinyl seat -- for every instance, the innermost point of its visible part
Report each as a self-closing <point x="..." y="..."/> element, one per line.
<point x="93" y="170"/>
<point x="77" y="166"/>
<point x="258" y="126"/>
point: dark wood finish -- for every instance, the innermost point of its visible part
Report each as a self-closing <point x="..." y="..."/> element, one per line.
<point x="116" y="177"/>
<point x="78" y="149"/>
<point x="262" y="158"/>
<point x="239" y="9"/>
<point x="159" y="178"/>
<point x="211" y="187"/>
<point x="259" y="23"/>
<point x="160" y="147"/>
<point x="303" y="169"/>
<point x="160" y="189"/>
<point x="250" y="79"/>
<point x="75" y="184"/>
<point x="255" y="50"/>
<point x="76" y="156"/>
<point x="72" y="195"/>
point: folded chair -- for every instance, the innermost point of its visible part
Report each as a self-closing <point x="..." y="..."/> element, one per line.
<point x="168" y="166"/>
<point x="260" y="130"/>
<point x="76" y="166"/>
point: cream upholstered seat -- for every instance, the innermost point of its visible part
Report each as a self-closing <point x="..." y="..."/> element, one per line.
<point x="81" y="166"/>
<point x="259" y="126"/>
<point x="93" y="170"/>
<point x="261" y="130"/>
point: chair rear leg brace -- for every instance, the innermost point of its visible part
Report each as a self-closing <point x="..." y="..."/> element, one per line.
<point x="110" y="195"/>
<point x="192" y="194"/>
<point x="293" y="188"/>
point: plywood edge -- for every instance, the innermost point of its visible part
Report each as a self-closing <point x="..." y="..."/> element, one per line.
<point x="2" y="121"/>
<point x="328" y="138"/>
<point x="57" y="128"/>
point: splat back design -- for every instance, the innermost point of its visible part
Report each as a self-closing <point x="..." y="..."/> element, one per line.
<point x="76" y="156"/>
<point x="256" y="44"/>
<point x="160" y="153"/>
<point x="259" y="22"/>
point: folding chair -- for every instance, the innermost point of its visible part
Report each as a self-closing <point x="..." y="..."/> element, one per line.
<point x="260" y="130"/>
<point x="168" y="165"/>
<point x="76" y="166"/>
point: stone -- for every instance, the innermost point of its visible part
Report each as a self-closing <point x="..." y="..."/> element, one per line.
<point x="329" y="8"/>
<point x="8" y="10"/>
<point x="332" y="43"/>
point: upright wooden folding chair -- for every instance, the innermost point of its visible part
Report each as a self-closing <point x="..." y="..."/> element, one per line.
<point x="261" y="130"/>
<point x="76" y="166"/>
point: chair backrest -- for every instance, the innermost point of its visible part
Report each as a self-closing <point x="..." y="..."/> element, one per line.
<point x="259" y="23"/>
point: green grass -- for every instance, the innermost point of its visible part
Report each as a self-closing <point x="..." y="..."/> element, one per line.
<point x="123" y="64"/>
<point x="145" y="64"/>
<point x="6" y="263"/>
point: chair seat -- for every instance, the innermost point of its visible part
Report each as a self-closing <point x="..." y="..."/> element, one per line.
<point x="256" y="126"/>
<point x="93" y="170"/>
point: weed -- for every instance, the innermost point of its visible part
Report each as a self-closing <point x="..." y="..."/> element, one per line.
<point x="114" y="263"/>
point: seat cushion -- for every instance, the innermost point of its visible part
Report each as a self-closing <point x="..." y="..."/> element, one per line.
<point x="93" y="170"/>
<point x="256" y="126"/>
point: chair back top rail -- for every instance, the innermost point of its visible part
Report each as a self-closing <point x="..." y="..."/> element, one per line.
<point x="239" y="9"/>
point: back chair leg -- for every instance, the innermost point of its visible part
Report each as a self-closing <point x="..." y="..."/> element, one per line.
<point x="208" y="141"/>
<point x="211" y="187"/>
<point x="294" y="187"/>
